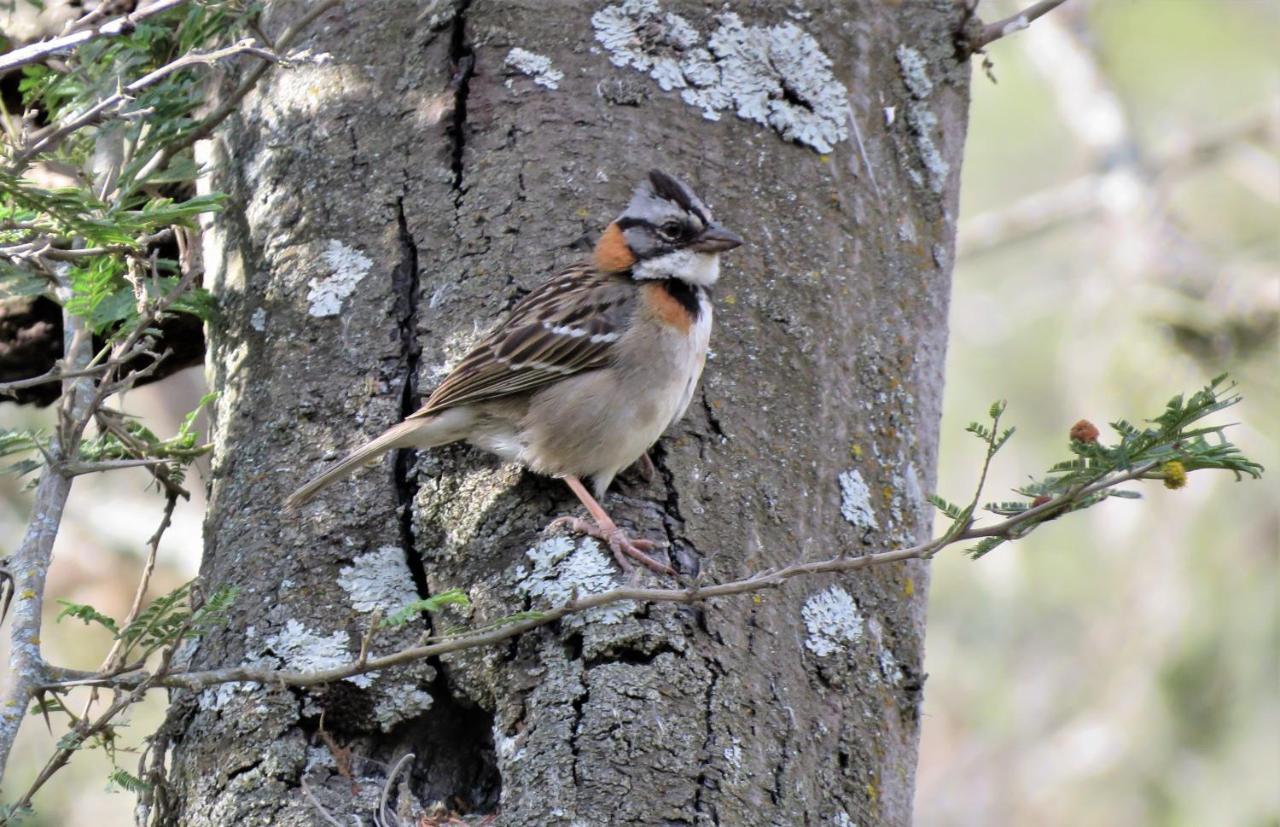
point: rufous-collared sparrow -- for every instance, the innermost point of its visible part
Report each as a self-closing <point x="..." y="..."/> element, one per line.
<point x="591" y="367"/>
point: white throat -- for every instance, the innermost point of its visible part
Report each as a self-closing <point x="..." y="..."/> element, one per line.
<point x="687" y="265"/>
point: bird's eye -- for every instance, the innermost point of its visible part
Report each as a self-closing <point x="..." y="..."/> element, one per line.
<point x="670" y="231"/>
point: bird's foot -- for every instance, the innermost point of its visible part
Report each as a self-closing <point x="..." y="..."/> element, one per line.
<point x="622" y="546"/>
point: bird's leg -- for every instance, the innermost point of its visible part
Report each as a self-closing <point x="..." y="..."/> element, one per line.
<point x="607" y="530"/>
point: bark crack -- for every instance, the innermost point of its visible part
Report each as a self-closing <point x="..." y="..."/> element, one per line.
<point x="671" y="515"/>
<point x="462" y="59"/>
<point x="701" y="806"/>
<point x="405" y="284"/>
<point x="712" y="419"/>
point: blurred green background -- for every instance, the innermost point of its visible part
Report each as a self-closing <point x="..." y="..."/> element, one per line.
<point x="1118" y="667"/>
<point x="1120" y="229"/>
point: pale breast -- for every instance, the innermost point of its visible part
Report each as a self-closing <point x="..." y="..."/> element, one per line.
<point x="601" y="421"/>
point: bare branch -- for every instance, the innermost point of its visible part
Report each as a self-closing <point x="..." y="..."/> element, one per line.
<point x="1003" y="28"/>
<point x="36" y="52"/>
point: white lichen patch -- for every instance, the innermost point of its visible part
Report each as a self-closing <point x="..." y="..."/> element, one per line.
<point x="777" y="76"/>
<point x="920" y="120"/>
<point x="536" y="66"/>
<point x="914" y="71"/>
<point x="258" y="321"/>
<point x="301" y="649"/>
<point x="349" y="267"/>
<point x="562" y="568"/>
<point x="379" y="579"/>
<point x="216" y="698"/>
<point x="832" y="621"/>
<point x="855" y="500"/>
<point x="399" y="703"/>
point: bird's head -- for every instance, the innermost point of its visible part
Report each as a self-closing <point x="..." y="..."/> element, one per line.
<point x="665" y="232"/>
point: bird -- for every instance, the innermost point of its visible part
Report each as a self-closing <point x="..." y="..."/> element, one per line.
<point x="590" y="368"/>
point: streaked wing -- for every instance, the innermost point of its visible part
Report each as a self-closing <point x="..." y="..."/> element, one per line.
<point x="567" y="325"/>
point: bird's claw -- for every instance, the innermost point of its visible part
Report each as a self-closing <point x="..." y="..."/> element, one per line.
<point x="622" y="546"/>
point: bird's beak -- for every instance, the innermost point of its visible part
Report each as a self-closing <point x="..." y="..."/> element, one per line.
<point x="716" y="239"/>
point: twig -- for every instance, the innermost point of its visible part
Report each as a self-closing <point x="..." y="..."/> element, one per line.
<point x="48" y="378"/>
<point x="100" y="110"/>
<point x="116" y="654"/>
<point x="1003" y="28"/>
<point x="36" y="52"/>
<point x="755" y="582"/>
<point x="229" y="104"/>
<point x="77" y="469"/>
<point x="315" y="802"/>
<point x="70" y="743"/>
<point x="60" y="254"/>
<point x="383" y="818"/>
<point x="367" y="640"/>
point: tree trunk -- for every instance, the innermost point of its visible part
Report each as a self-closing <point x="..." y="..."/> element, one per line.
<point x="391" y="199"/>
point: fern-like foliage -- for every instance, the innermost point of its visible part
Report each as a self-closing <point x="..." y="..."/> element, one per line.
<point x="1166" y="448"/>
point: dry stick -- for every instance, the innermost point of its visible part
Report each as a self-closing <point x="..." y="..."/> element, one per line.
<point x="1003" y="28"/>
<point x="38" y="51"/>
<point x="29" y="565"/>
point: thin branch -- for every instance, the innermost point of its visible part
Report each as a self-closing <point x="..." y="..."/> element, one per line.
<point x="48" y="378"/>
<point x="70" y="743"/>
<point x="1003" y="28"/>
<point x="77" y="469"/>
<point x="117" y="653"/>
<point x="315" y="802"/>
<point x="383" y="818"/>
<point x="229" y="104"/>
<point x="1011" y="526"/>
<point x="29" y="565"/>
<point x="75" y="254"/>
<point x="36" y="52"/>
<point x="102" y="109"/>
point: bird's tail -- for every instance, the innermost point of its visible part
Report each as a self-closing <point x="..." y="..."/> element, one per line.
<point x="410" y="433"/>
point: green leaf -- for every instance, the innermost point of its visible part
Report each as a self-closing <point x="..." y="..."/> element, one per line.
<point x="452" y="597"/>
<point x="87" y="614"/>
<point x="127" y="781"/>
<point x="984" y="546"/>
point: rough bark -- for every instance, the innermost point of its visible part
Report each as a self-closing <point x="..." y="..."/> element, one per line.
<point x="413" y="165"/>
